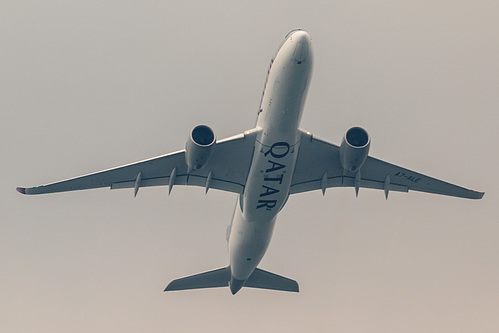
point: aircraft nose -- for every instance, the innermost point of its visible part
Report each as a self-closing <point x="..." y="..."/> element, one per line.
<point x="301" y="40"/>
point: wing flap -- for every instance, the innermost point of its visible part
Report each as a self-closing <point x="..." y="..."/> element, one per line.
<point x="187" y="179"/>
<point x="344" y="181"/>
<point x="373" y="184"/>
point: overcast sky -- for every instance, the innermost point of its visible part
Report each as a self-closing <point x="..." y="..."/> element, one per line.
<point x="90" y="85"/>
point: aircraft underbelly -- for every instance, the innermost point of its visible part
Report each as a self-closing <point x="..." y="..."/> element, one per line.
<point x="271" y="171"/>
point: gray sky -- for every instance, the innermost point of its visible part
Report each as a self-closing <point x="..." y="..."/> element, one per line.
<point x="90" y="85"/>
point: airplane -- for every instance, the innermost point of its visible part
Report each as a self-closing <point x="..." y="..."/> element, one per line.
<point x="263" y="166"/>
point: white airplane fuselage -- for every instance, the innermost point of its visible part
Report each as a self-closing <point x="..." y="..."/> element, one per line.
<point x="276" y="149"/>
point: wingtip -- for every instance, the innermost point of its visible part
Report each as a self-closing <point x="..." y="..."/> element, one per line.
<point x="21" y="190"/>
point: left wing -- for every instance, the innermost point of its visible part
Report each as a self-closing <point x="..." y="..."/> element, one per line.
<point x="226" y="170"/>
<point x="318" y="166"/>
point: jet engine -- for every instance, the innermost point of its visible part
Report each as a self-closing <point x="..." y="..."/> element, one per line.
<point x="199" y="147"/>
<point x="354" y="148"/>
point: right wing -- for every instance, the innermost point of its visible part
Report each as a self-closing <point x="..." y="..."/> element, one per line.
<point x="318" y="167"/>
<point x="226" y="170"/>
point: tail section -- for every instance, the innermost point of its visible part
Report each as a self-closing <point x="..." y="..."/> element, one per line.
<point x="222" y="277"/>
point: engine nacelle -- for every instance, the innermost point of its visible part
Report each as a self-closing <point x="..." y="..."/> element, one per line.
<point x="199" y="147"/>
<point x="354" y="148"/>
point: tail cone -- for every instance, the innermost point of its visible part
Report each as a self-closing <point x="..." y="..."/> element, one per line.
<point x="235" y="285"/>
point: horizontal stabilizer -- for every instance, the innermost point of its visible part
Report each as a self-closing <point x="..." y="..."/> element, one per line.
<point x="211" y="279"/>
<point x="266" y="280"/>
<point x="221" y="277"/>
